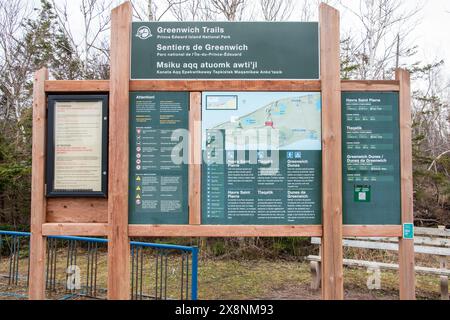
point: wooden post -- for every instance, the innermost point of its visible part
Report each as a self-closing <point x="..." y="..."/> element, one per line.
<point x="332" y="256"/>
<point x="119" y="246"/>
<point x="406" y="247"/>
<point x="444" y="279"/>
<point x="38" y="199"/>
<point x="195" y="158"/>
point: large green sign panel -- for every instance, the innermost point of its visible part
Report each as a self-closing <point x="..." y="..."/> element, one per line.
<point x="262" y="158"/>
<point x="221" y="50"/>
<point x="371" y="158"/>
<point x="158" y="167"/>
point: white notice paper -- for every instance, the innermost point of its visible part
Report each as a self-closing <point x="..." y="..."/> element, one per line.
<point x="78" y="146"/>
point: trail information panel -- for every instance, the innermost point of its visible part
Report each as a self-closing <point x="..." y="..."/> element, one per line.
<point x="262" y="158"/>
<point x="158" y="167"/>
<point x="371" y="154"/>
<point x="220" y="50"/>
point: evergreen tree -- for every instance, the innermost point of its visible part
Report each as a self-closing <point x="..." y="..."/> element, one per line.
<point x="49" y="46"/>
<point x="43" y="44"/>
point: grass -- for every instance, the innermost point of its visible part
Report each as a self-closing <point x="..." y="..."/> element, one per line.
<point x="247" y="280"/>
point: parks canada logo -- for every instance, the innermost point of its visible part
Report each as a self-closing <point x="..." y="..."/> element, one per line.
<point x="144" y="33"/>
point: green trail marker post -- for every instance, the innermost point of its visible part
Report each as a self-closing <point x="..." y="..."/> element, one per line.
<point x="408" y="231"/>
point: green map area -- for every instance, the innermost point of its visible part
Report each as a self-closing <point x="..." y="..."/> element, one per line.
<point x="296" y="119"/>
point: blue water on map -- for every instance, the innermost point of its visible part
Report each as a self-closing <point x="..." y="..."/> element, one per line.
<point x="319" y="104"/>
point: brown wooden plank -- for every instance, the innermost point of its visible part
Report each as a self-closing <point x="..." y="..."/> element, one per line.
<point x="119" y="247"/>
<point x="225" y="85"/>
<point x="99" y="229"/>
<point x="75" y="229"/>
<point x="195" y="158"/>
<point x="220" y="231"/>
<point x="76" y="86"/>
<point x="332" y="255"/>
<point x="56" y="86"/>
<point x="372" y="231"/>
<point x="370" y="85"/>
<point x="38" y="199"/>
<point x="406" y="247"/>
<point x="223" y="231"/>
<point x="69" y="210"/>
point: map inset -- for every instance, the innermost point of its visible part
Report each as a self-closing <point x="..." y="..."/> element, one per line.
<point x="297" y="121"/>
<point x="222" y="103"/>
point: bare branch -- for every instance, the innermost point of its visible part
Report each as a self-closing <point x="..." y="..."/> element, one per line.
<point x="231" y="9"/>
<point x="383" y="40"/>
<point x="193" y="10"/>
<point x="276" y="10"/>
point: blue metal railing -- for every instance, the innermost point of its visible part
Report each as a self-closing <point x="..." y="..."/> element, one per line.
<point x="185" y="249"/>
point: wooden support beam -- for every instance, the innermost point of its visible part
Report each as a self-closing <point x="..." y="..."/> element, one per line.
<point x="372" y="231"/>
<point x="195" y="158"/>
<point x="55" y="86"/>
<point x="370" y="85"/>
<point x="225" y="85"/>
<point x="332" y="255"/>
<point x="38" y="199"/>
<point x="99" y="229"/>
<point x="119" y="246"/>
<point x="406" y="247"/>
<point x="223" y="231"/>
<point x="75" y="229"/>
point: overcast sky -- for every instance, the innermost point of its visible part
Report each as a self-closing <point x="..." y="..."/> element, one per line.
<point x="431" y="34"/>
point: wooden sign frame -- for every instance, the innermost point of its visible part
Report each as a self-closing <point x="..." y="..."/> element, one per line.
<point x="50" y="169"/>
<point x="109" y="217"/>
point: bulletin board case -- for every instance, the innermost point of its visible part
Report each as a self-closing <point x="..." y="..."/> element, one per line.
<point x="77" y="151"/>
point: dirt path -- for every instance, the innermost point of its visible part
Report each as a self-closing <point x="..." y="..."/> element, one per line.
<point x="303" y="292"/>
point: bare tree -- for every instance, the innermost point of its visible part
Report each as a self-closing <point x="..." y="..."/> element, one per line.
<point x="92" y="43"/>
<point x="276" y="10"/>
<point x="144" y="10"/>
<point x="382" y="33"/>
<point x="193" y="10"/>
<point x="231" y="9"/>
<point x="154" y="10"/>
<point x="431" y="108"/>
<point x="309" y="9"/>
<point x="431" y="143"/>
<point x="15" y="63"/>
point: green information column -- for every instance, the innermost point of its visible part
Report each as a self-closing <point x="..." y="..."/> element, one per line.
<point x="371" y="158"/>
<point x="158" y="158"/>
